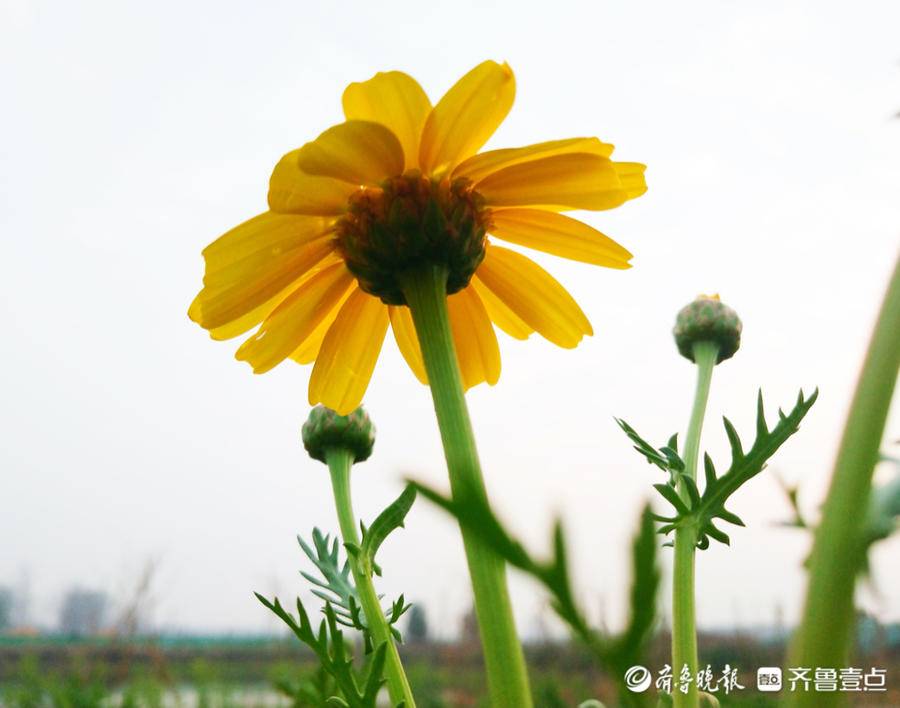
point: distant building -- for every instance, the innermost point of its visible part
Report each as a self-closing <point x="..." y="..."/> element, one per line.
<point x="83" y="612"/>
<point x="7" y="600"/>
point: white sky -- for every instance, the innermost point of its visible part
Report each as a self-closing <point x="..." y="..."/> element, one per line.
<point x="132" y="134"/>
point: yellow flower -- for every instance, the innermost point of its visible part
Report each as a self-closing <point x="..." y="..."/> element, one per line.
<point x="397" y="184"/>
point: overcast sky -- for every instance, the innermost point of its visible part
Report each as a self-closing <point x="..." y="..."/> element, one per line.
<point x="133" y="134"/>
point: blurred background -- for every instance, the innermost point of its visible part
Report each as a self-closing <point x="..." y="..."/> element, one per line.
<point x="150" y="482"/>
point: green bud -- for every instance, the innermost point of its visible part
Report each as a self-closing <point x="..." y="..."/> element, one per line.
<point x="707" y="319"/>
<point x="326" y="430"/>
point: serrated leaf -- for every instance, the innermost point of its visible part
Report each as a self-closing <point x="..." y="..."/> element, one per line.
<point x="736" y="450"/>
<point x="664" y="519"/>
<point x="671" y="496"/>
<point x="745" y="466"/>
<point x="336" y="585"/>
<point x="642" y="446"/>
<point x="690" y="486"/>
<point x="717" y="534"/>
<point x="761" y="427"/>
<point x="673" y="442"/>
<point x="709" y="470"/>
<point x="731" y="518"/>
<point x="388" y="520"/>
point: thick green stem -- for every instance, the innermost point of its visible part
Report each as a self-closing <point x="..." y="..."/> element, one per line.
<point x="825" y="635"/>
<point x="684" y="622"/>
<point x="339" y="463"/>
<point x="425" y="291"/>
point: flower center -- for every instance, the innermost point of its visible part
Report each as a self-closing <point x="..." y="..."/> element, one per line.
<point x="408" y="222"/>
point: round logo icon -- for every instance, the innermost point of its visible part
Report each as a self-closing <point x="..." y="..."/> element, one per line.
<point x="638" y="679"/>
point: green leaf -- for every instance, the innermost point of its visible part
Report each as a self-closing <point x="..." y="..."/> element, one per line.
<point x="668" y="491"/>
<point x="653" y="455"/>
<point x="328" y="647"/>
<point x="388" y="520"/>
<point x="336" y="586"/>
<point x="690" y="487"/>
<point x="744" y="466"/>
<point x="628" y="649"/>
<point x="761" y="429"/>
<point x="471" y="509"/>
<point x="375" y="678"/>
<point x="709" y="469"/>
<point x="731" y="518"/>
<point x="736" y="450"/>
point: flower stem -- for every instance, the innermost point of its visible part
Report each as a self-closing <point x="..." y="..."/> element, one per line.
<point x="825" y="635"/>
<point x="426" y="294"/>
<point x="684" y="627"/>
<point x="339" y="463"/>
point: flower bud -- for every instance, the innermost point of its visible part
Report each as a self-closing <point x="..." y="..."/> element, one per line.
<point x="325" y="430"/>
<point x="707" y="319"/>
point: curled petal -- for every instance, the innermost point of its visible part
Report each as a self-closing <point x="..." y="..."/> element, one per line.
<point x="395" y="100"/>
<point x="358" y="152"/>
<point x="631" y="175"/>
<point x="293" y="191"/>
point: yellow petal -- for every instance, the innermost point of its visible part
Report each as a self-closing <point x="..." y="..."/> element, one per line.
<point x="293" y="191"/>
<point x="500" y="314"/>
<point x="477" y="350"/>
<point x="407" y="340"/>
<point x="395" y="100"/>
<point x="558" y="234"/>
<point x="466" y="117"/>
<point x="295" y="319"/>
<point x="483" y="164"/>
<point x="244" y="323"/>
<point x="358" y="152"/>
<point x="631" y="175"/>
<point x="348" y="354"/>
<point x="534" y="295"/>
<point x="258" y="243"/>
<point x="307" y="352"/>
<point x="570" y="181"/>
<point x="233" y="289"/>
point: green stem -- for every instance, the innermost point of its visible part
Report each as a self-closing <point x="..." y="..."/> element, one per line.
<point x="684" y="622"/>
<point x="339" y="463"/>
<point x="825" y="635"/>
<point x="426" y="294"/>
